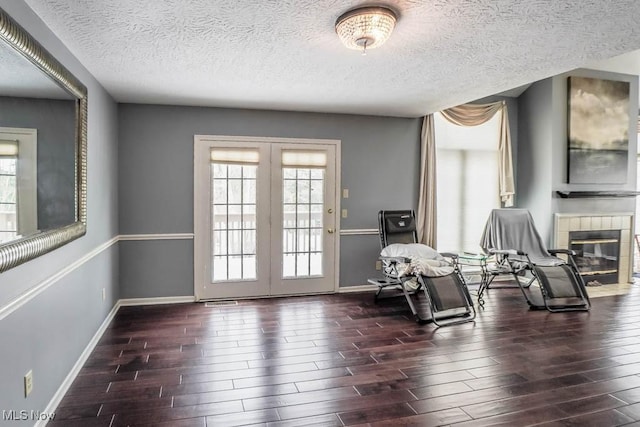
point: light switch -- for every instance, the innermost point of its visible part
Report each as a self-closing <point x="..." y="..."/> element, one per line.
<point x="344" y="213"/>
<point x="345" y="193"/>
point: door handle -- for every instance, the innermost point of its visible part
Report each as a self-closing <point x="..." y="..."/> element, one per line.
<point x="330" y="210"/>
<point x="330" y="230"/>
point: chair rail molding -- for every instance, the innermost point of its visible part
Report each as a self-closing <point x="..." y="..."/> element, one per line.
<point x="31" y="293"/>
<point x="156" y="236"/>
<point x="360" y="232"/>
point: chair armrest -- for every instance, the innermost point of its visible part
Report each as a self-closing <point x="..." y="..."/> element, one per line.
<point x="506" y="252"/>
<point x="451" y="255"/>
<point x="561" y="251"/>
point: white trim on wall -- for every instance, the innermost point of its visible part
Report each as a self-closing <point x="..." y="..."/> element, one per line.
<point x="156" y="300"/>
<point x="23" y="299"/>
<point x="159" y="236"/>
<point x="360" y="232"/>
<point x="189" y="236"/>
<point x="357" y="288"/>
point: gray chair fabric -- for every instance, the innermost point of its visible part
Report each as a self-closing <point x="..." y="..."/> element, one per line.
<point x="513" y="229"/>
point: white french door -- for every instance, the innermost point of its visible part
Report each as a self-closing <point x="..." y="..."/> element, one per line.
<point x="264" y="217"/>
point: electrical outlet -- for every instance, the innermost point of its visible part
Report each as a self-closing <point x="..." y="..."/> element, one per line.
<point x="28" y="383"/>
<point x="378" y="265"/>
<point x="104" y="294"/>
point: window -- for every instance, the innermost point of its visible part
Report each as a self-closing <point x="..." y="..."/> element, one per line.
<point x="467" y="181"/>
<point x="8" y="190"/>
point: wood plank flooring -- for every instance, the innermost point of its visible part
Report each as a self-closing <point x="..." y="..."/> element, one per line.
<point x="342" y="360"/>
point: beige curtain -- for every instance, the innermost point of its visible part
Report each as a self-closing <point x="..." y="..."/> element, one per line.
<point x="426" y="224"/>
<point x="463" y="115"/>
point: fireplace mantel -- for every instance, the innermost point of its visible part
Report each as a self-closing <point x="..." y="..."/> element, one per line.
<point x="596" y="194"/>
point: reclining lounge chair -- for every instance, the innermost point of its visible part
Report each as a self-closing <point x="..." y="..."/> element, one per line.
<point x="511" y="236"/>
<point x="412" y="267"/>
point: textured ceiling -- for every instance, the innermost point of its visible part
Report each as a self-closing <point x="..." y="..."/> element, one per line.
<point x="284" y="54"/>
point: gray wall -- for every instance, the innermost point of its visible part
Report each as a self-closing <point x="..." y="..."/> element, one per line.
<point x="380" y="167"/>
<point x="49" y="332"/>
<point x="543" y="153"/>
<point x="534" y="179"/>
<point x="54" y="120"/>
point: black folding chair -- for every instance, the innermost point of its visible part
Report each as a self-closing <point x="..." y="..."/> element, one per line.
<point x="448" y="298"/>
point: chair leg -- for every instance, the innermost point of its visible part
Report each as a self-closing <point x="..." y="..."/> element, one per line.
<point x="375" y="298"/>
<point x="414" y="311"/>
<point x="487" y="278"/>
<point x="527" y="285"/>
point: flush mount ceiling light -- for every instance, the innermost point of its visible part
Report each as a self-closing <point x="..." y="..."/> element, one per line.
<point x="366" y="27"/>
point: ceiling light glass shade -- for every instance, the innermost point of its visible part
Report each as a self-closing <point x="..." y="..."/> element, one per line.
<point x="365" y="28"/>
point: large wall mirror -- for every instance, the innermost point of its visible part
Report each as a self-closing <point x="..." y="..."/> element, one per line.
<point x="43" y="147"/>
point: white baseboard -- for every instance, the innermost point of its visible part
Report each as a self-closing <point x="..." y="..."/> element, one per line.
<point x="156" y="300"/>
<point x="360" y="288"/>
<point x="66" y="384"/>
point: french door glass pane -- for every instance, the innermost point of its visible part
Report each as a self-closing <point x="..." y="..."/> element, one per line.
<point x="302" y="222"/>
<point x="234" y="222"/>
<point x="315" y="263"/>
<point x="316" y="240"/>
<point x="302" y="264"/>
<point x="302" y="216"/>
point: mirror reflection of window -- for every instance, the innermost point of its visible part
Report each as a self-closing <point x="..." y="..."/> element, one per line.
<point x="18" y="183"/>
<point x="8" y="190"/>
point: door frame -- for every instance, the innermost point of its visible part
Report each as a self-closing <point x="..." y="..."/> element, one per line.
<point x="200" y="206"/>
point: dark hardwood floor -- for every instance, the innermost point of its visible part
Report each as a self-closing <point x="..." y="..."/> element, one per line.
<point x="343" y="360"/>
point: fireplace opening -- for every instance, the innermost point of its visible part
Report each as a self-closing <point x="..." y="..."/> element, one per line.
<point x="598" y="254"/>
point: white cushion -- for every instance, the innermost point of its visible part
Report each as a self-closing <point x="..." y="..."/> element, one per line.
<point x="411" y="250"/>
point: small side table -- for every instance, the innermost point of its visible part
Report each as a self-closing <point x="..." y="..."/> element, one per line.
<point x="479" y="261"/>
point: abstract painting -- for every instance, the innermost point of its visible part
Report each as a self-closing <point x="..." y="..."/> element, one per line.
<point x="598" y="131"/>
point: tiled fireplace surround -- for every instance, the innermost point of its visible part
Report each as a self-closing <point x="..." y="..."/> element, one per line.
<point x="566" y="222"/>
